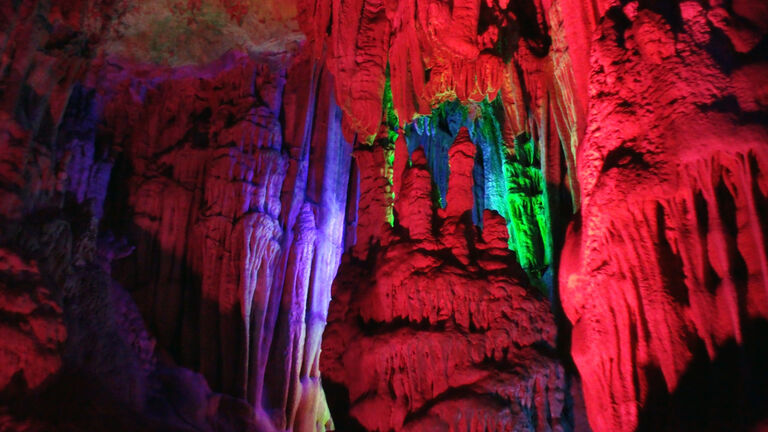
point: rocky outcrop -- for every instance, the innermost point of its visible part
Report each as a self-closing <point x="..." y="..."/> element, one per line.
<point x="514" y="57"/>
<point x="209" y="200"/>
<point x="194" y="32"/>
<point x="238" y="221"/>
<point x="658" y="109"/>
<point x="667" y="266"/>
<point x="33" y="330"/>
<point x="75" y="352"/>
<point x="230" y="181"/>
<point x="506" y="179"/>
<point x="47" y="229"/>
<point x="439" y="329"/>
<point x="437" y="51"/>
<point x="179" y="181"/>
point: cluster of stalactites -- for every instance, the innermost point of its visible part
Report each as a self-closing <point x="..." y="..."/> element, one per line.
<point x="417" y="71"/>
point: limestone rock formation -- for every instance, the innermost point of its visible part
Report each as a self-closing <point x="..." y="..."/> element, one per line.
<point x="84" y="135"/>
<point x="667" y="264"/>
<point x="238" y="229"/>
<point x="439" y="329"/>
<point x="33" y="330"/>
<point x="519" y="190"/>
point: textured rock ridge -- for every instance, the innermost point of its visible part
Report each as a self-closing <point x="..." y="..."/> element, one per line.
<point x="238" y="228"/>
<point x="180" y="179"/>
<point x="438" y="51"/>
<point x="76" y="353"/>
<point x="438" y="329"/>
<point x="229" y="180"/>
<point x="33" y="330"/>
<point x="667" y="265"/>
<point x="532" y="57"/>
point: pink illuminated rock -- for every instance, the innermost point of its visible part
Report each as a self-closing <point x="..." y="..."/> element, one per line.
<point x="421" y="342"/>
<point x="668" y="267"/>
<point x="414" y="204"/>
<point x="461" y="160"/>
<point x="179" y="181"/>
<point x="30" y="349"/>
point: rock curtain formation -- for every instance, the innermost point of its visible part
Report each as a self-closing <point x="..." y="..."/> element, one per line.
<point x="488" y="201"/>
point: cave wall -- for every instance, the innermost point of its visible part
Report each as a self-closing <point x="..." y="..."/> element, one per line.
<point x="440" y="328"/>
<point x="666" y="265"/>
<point x="106" y="158"/>
<point x="502" y="187"/>
<point x="659" y="109"/>
<point x="238" y="228"/>
<point x="75" y="352"/>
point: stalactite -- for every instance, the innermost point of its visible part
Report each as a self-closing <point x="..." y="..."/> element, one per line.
<point x="252" y="203"/>
<point x="668" y="265"/>
<point x="181" y="180"/>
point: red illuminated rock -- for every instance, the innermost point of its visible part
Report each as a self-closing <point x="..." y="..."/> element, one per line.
<point x="420" y="341"/>
<point x="375" y="198"/>
<point x="414" y="203"/>
<point x="461" y="160"/>
<point x="467" y="50"/>
<point x="207" y="191"/>
<point x="435" y="51"/>
<point x="669" y="264"/>
<point x="32" y="330"/>
<point x="222" y="196"/>
<point x="233" y="175"/>
<point x="459" y="197"/>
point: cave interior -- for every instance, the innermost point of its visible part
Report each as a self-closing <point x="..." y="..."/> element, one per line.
<point x="383" y="215"/>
